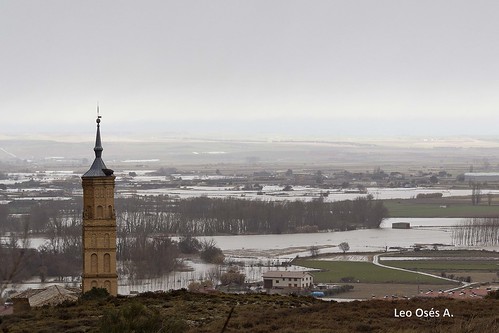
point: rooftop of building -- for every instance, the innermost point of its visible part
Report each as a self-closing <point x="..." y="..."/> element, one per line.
<point x="285" y="274"/>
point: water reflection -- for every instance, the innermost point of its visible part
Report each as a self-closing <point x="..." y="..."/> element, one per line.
<point x="427" y="231"/>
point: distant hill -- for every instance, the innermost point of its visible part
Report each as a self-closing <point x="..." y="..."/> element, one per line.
<point x="280" y="153"/>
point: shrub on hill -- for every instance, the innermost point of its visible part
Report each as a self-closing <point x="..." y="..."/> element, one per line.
<point x="493" y="295"/>
<point x="136" y="317"/>
<point x="95" y="293"/>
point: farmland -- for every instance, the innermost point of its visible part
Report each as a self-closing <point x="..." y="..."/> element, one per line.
<point x="365" y="272"/>
<point x="440" y="207"/>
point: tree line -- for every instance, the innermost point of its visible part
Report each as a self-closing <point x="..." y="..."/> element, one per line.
<point x="477" y="231"/>
<point x="145" y="224"/>
<point x="199" y="216"/>
<point x="210" y="216"/>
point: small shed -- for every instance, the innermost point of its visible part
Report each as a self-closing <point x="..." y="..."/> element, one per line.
<point x="52" y="295"/>
<point x="401" y="225"/>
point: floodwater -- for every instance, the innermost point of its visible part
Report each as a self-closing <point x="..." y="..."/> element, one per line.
<point x="256" y="254"/>
<point x="260" y="253"/>
<point x="423" y="231"/>
<point x="303" y="193"/>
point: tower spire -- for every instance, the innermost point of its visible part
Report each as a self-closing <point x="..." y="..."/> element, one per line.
<point x="99" y="224"/>
<point x="98" y="168"/>
<point x="98" y="144"/>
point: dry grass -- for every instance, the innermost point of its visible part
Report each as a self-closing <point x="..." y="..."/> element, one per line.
<point x="379" y="290"/>
<point x="267" y="313"/>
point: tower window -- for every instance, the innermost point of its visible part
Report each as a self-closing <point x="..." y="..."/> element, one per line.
<point x="100" y="212"/>
<point x="88" y="212"/>
<point x="107" y="263"/>
<point x="93" y="263"/>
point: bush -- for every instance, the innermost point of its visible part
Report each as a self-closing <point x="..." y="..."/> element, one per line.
<point x="347" y="279"/>
<point x="428" y="195"/>
<point x="211" y="253"/>
<point x="197" y="286"/>
<point x="189" y="245"/>
<point x="338" y="290"/>
<point x="172" y="324"/>
<point x="314" y="251"/>
<point x="95" y="293"/>
<point x="232" y="276"/>
<point x="136" y="317"/>
<point x="493" y="295"/>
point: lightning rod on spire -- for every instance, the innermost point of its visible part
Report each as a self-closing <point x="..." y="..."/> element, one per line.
<point x="98" y="113"/>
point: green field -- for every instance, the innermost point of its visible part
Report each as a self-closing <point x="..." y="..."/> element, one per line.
<point x="469" y="254"/>
<point x="364" y="272"/>
<point x="426" y="208"/>
<point x="444" y="265"/>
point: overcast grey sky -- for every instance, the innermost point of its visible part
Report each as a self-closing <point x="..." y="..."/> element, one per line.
<point x="318" y="68"/>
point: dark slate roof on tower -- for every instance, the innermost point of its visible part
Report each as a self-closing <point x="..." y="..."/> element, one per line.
<point x="98" y="168"/>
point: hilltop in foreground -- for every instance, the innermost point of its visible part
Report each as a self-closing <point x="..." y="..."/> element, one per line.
<point x="181" y="311"/>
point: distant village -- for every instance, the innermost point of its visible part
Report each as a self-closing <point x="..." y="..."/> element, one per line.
<point x="16" y="187"/>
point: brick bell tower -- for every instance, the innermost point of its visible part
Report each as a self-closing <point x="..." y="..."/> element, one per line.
<point x="99" y="224"/>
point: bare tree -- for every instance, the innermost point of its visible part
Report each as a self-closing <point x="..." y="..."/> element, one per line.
<point x="314" y="251"/>
<point x="13" y="255"/>
<point x="232" y="276"/>
<point x="476" y="193"/>
<point x="210" y="252"/>
<point x="477" y="231"/>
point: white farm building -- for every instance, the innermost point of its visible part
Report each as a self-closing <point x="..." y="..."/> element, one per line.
<point x="287" y="279"/>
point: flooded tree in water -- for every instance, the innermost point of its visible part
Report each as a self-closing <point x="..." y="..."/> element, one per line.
<point x="232" y="276"/>
<point x="210" y="253"/>
<point x="14" y="255"/>
<point x="210" y="216"/>
<point x="314" y="250"/>
<point x="476" y="193"/>
<point x="189" y="245"/>
<point x="477" y="231"/>
<point x="145" y="256"/>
